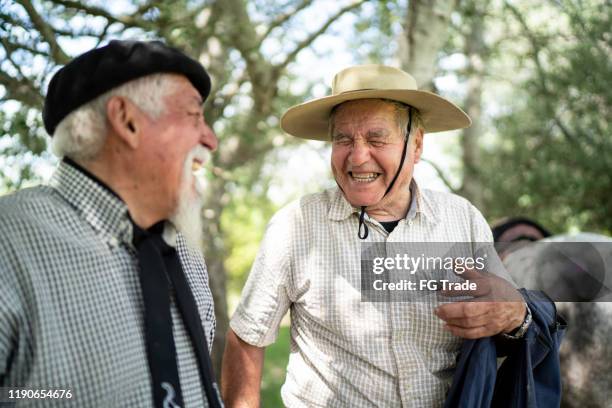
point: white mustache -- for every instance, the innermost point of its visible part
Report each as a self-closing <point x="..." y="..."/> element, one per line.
<point x="199" y="153"/>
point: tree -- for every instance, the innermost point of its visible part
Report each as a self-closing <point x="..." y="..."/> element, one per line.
<point x="476" y="53"/>
<point x="545" y="129"/>
<point x="426" y="29"/>
<point x="554" y="144"/>
<point x="232" y="38"/>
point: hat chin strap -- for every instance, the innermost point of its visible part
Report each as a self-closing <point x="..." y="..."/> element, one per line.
<point x="363" y="230"/>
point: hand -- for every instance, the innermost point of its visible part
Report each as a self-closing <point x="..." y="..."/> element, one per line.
<point x="497" y="307"/>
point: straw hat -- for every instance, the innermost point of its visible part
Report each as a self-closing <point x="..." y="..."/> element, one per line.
<point x="309" y="120"/>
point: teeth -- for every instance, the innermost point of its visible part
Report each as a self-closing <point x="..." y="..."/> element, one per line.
<point x="195" y="166"/>
<point x="364" y="177"/>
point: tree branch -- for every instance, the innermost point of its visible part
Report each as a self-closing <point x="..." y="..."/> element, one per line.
<point x="7" y="18"/>
<point x="242" y="32"/>
<point x="76" y="34"/>
<point x="9" y="56"/>
<point x="102" y="35"/>
<point x="440" y="174"/>
<point x="541" y="73"/>
<point x="144" y="7"/>
<point x="58" y="54"/>
<point x="130" y="21"/>
<point x="222" y="100"/>
<point x="306" y="42"/>
<point x="13" y="47"/>
<point x="283" y="18"/>
<point x="21" y="90"/>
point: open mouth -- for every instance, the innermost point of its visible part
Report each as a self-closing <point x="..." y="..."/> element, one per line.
<point x="196" y="165"/>
<point x="363" y="177"/>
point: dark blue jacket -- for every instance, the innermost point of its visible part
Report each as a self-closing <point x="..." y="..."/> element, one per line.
<point x="528" y="377"/>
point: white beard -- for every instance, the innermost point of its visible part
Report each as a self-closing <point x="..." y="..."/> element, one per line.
<point x="187" y="218"/>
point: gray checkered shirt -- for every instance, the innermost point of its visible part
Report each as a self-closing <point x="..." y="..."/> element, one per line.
<point x="345" y="352"/>
<point x="71" y="308"/>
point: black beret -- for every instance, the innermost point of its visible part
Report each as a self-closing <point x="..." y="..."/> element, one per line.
<point x="97" y="71"/>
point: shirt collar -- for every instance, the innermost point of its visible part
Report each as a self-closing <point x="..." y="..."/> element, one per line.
<point x="420" y="205"/>
<point x="97" y="204"/>
<point x="424" y="204"/>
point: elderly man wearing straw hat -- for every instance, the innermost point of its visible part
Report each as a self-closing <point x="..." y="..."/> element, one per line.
<point x="346" y="352"/>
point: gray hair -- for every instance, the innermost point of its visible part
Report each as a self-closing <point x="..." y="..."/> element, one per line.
<point x="82" y="133"/>
<point x="401" y="117"/>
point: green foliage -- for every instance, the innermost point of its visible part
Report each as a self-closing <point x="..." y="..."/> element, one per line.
<point x="554" y="158"/>
<point x="243" y="220"/>
<point x="378" y="26"/>
<point x="22" y="145"/>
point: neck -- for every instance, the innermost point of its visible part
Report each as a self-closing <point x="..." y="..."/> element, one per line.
<point x="120" y="178"/>
<point x="392" y="207"/>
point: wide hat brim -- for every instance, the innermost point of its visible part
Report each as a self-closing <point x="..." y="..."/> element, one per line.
<point x="310" y="120"/>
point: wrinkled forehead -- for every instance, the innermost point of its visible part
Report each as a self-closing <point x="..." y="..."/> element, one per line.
<point x="182" y="91"/>
<point x="182" y="84"/>
<point x="364" y="111"/>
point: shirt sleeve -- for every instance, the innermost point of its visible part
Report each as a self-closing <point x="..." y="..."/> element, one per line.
<point x="480" y="230"/>
<point x="264" y="299"/>
<point x="9" y="317"/>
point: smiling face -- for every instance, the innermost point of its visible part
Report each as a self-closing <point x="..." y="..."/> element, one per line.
<point x="367" y="145"/>
<point x="172" y="143"/>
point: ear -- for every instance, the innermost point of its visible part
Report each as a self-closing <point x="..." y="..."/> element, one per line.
<point x="124" y="117"/>
<point x="418" y="144"/>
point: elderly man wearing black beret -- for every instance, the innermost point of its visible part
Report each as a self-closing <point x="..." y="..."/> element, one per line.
<point x="104" y="296"/>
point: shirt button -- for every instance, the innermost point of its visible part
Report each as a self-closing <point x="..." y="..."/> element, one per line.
<point x="410" y="223"/>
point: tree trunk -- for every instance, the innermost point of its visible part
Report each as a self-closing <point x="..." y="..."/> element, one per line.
<point x="214" y="251"/>
<point x="425" y="32"/>
<point x="476" y="52"/>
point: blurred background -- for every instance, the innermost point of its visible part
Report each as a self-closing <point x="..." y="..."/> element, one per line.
<point x="533" y="75"/>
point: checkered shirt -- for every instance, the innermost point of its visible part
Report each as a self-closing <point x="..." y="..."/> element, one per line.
<point x="345" y="352"/>
<point x="71" y="307"/>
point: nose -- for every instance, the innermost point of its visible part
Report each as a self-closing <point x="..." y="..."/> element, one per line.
<point x="360" y="153"/>
<point x="208" y="138"/>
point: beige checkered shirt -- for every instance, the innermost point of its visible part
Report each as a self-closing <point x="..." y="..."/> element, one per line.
<point x="345" y="352"/>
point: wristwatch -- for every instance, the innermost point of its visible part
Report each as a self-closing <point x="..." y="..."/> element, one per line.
<point x="520" y="331"/>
